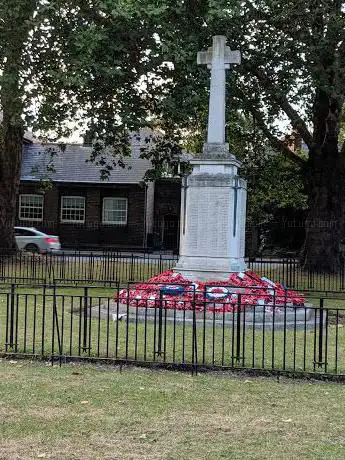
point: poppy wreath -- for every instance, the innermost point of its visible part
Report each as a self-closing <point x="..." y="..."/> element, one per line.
<point x="172" y="290"/>
<point x="217" y="292"/>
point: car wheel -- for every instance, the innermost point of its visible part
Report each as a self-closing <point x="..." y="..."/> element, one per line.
<point x="32" y="248"/>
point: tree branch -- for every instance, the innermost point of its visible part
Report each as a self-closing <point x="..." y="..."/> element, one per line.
<point x="282" y="25"/>
<point x="296" y="121"/>
<point x="274" y="141"/>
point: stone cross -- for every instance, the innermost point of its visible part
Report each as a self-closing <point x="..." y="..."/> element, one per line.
<point x="217" y="58"/>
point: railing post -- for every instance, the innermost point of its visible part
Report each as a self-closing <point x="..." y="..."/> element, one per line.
<point x="10" y="342"/>
<point x="290" y="268"/>
<point x="194" y="338"/>
<point x="238" y="329"/>
<point x="45" y="266"/>
<point x="310" y="278"/>
<point x="91" y="266"/>
<point x="320" y="362"/>
<point x="56" y="325"/>
<point x="342" y="280"/>
<point x="160" y="324"/>
<point x="118" y="268"/>
<point x="85" y="320"/>
<point x="62" y="264"/>
<point x="160" y="263"/>
<point x="131" y="278"/>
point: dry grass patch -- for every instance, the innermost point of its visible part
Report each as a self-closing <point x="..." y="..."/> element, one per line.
<point x="84" y="412"/>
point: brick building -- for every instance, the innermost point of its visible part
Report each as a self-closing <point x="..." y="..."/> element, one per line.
<point x="121" y="212"/>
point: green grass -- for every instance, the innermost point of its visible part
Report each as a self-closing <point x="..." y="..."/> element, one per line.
<point x="295" y="278"/>
<point x="35" y="333"/>
<point x="83" y="412"/>
<point x="26" y="268"/>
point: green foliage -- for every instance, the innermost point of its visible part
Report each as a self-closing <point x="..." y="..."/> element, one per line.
<point x="124" y="64"/>
<point x="70" y="61"/>
<point x="292" y="74"/>
<point x="274" y="181"/>
<point x="292" y="77"/>
<point x="107" y="62"/>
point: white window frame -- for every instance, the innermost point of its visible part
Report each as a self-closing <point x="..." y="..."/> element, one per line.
<point x="112" y="222"/>
<point x="30" y="219"/>
<point x="68" y="221"/>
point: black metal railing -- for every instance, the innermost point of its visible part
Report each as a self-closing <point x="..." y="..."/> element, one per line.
<point x="290" y="273"/>
<point x="108" y="268"/>
<point x="101" y="268"/>
<point x="200" y="333"/>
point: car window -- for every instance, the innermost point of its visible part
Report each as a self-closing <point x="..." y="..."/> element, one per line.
<point x="24" y="232"/>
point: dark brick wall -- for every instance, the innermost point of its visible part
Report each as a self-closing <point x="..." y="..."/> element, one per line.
<point x="92" y="233"/>
<point x="167" y="204"/>
<point x="74" y="234"/>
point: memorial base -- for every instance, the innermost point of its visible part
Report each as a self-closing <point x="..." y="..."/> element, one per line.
<point x="213" y="214"/>
<point x="278" y="319"/>
<point x="214" y="269"/>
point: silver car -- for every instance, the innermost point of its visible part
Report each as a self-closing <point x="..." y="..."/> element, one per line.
<point x="31" y="239"/>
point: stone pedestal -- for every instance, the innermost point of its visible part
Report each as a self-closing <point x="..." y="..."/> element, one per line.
<point x="213" y="214"/>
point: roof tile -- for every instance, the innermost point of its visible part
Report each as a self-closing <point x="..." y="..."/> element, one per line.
<point x="70" y="165"/>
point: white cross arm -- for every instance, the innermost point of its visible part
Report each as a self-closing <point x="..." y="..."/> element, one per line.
<point x="234" y="57"/>
<point x="204" y="57"/>
<point x="230" y="57"/>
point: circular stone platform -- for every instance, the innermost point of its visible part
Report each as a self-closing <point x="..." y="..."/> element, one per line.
<point x="259" y="317"/>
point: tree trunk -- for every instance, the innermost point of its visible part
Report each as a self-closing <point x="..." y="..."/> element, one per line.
<point x="10" y="169"/>
<point x="12" y="132"/>
<point x="325" y="223"/>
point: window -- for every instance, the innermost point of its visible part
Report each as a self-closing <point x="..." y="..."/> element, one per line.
<point x="24" y="232"/>
<point x="115" y="211"/>
<point x="73" y="209"/>
<point x="31" y="207"/>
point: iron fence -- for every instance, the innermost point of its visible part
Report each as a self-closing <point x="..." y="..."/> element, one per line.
<point x="58" y="323"/>
<point x="101" y="268"/>
<point x="290" y="273"/>
<point x="109" y="268"/>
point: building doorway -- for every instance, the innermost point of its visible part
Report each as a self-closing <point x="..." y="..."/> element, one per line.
<point x="171" y="231"/>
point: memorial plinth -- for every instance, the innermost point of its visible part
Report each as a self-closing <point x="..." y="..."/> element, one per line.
<point x="213" y="219"/>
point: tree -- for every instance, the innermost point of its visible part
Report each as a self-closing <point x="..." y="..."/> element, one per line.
<point x="122" y="63"/>
<point x="293" y="72"/>
<point x="64" y="61"/>
<point x="274" y="181"/>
